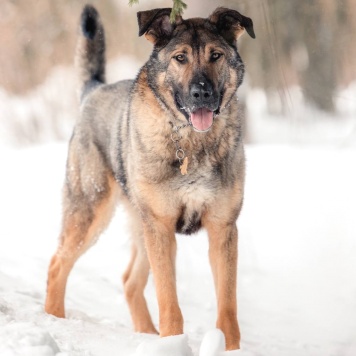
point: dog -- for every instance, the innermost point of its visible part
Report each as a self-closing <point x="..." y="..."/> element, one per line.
<point x="169" y="146"/>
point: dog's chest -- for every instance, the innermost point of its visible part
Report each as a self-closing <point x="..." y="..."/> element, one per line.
<point x="193" y="193"/>
<point x="200" y="183"/>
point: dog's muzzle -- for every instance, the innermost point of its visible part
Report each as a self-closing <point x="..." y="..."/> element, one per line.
<point x="200" y="106"/>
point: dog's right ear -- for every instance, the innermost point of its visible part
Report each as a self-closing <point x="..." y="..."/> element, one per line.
<point x="155" y="25"/>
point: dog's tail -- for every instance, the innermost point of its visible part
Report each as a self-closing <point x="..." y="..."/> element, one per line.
<point x="90" y="54"/>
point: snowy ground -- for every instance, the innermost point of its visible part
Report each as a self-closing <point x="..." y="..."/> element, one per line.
<point x="297" y="284"/>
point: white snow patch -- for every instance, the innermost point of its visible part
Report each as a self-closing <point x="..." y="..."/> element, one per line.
<point x="283" y="118"/>
<point x="213" y="343"/>
<point x="26" y="339"/>
<point x="297" y="248"/>
<point x="170" y="345"/>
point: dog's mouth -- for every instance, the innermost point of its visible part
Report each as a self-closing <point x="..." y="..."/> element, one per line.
<point x="201" y="119"/>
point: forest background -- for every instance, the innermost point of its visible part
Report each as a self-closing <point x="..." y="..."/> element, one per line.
<point x="301" y="70"/>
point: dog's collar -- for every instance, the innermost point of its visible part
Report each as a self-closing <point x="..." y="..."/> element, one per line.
<point x="180" y="154"/>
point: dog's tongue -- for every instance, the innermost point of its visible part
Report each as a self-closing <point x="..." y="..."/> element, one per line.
<point x="202" y="119"/>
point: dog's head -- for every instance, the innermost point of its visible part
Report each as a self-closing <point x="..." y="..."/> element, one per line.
<point x="195" y="65"/>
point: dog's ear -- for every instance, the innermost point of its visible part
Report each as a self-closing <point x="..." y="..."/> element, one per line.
<point x="231" y="24"/>
<point x="155" y="25"/>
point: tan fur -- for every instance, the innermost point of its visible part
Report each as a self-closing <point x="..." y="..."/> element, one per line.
<point x="222" y="232"/>
<point x="135" y="279"/>
<point x="80" y="231"/>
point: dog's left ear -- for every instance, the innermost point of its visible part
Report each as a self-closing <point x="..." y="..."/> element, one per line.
<point x="155" y="25"/>
<point x="231" y="24"/>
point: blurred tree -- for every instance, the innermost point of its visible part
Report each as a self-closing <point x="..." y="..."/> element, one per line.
<point x="307" y="43"/>
<point x="317" y="32"/>
<point x="36" y="36"/>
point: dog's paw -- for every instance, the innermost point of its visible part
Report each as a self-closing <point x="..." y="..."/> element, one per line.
<point x="170" y="345"/>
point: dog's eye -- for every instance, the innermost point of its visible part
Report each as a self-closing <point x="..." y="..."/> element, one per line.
<point x="215" y="56"/>
<point x="181" y="58"/>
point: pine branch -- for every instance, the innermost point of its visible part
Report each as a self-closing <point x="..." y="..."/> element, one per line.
<point x="133" y="2"/>
<point x="177" y="10"/>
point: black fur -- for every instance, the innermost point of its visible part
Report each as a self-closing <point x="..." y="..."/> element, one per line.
<point x="89" y="21"/>
<point x="188" y="225"/>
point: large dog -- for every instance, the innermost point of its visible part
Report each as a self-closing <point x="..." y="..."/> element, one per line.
<point x="169" y="146"/>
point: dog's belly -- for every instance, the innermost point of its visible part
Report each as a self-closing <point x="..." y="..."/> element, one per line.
<point x="195" y="198"/>
<point x="188" y="222"/>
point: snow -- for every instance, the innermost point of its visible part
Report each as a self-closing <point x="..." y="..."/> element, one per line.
<point x="171" y="345"/>
<point x="26" y="339"/>
<point x="283" y="117"/>
<point x="213" y="343"/>
<point x="297" y="248"/>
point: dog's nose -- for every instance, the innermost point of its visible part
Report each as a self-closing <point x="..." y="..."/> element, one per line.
<point x="201" y="92"/>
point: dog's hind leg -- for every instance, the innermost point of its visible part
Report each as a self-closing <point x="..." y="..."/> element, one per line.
<point x="88" y="205"/>
<point x="135" y="280"/>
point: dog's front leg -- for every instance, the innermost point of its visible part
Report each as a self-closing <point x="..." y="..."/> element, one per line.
<point x="161" y="249"/>
<point x="223" y="260"/>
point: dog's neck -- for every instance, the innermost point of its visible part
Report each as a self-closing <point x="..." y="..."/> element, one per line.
<point x="180" y="153"/>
